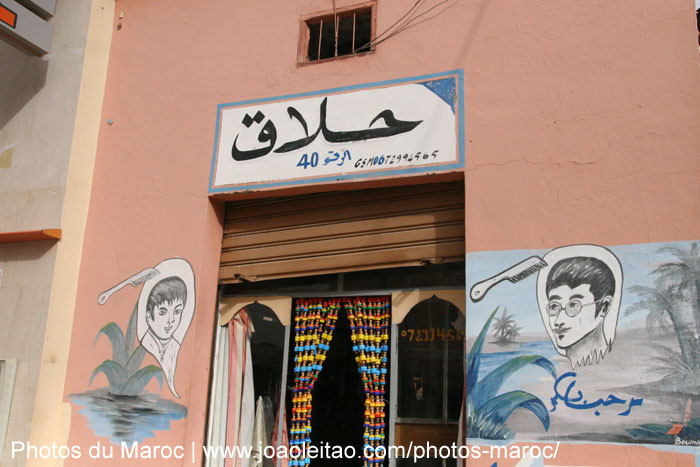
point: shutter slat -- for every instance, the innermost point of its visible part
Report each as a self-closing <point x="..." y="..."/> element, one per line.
<point x="284" y="235"/>
<point x="321" y="213"/>
<point x="266" y="207"/>
<point x="435" y="253"/>
<point x="342" y="231"/>
<point x="338" y="245"/>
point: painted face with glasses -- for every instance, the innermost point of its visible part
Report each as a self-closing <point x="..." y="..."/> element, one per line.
<point x="575" y="313"/>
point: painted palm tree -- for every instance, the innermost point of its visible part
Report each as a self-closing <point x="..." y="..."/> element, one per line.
<point x="505" y="329"/>
<point x="685" y="273"/>
<point x="665" y="298"/>
<point x="658" y="324"/>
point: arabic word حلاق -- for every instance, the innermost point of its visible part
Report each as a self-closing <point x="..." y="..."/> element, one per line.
<point x="268" y="133"/>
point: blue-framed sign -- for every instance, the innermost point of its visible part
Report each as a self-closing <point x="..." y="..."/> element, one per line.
<point x="404" y="126"/>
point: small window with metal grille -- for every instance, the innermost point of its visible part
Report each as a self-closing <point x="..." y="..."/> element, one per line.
<point x="337" y="33"/>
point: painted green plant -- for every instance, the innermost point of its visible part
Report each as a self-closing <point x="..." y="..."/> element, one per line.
<point x="123" y="370"/>
<point x="488" y="411"/>
<point x="659" y="432"/>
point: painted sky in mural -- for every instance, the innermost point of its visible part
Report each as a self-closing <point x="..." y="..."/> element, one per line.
<point x="604" y="338"/>
<point x="365" y="130"/>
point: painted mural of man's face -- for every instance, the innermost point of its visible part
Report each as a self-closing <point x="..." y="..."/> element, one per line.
<point x="579" y="293"/>
<point x="575" y="313"/>
<point x="165" y="309"/>
<point x="164" y="318"/>
<point x="166" y="301"/>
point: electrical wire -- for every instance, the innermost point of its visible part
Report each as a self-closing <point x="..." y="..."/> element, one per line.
<point x="386" y="31"/>
<point x="371" y="43"/>
<point x="408" y="24"/>
<point x="425" y="13"/>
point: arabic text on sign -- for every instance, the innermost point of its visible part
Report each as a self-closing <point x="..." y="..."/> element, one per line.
<point x="305" y="161"/>
<point x="268" y="133"/>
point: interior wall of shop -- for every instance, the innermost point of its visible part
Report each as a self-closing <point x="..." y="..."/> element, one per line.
<point x="582" y="126"/>
<point x="38" y="105"/>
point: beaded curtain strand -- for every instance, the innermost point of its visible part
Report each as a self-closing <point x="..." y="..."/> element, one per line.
<point x="369" y="326"/>
<point x="314" y="323"/>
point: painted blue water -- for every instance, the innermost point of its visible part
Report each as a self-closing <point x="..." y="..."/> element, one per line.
<point x="127" y="418"/>
<point x="491" y="361"/>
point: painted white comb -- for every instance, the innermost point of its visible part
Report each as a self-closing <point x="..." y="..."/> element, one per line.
<point x="134" y="280"/>
<point x="514" y="274"/>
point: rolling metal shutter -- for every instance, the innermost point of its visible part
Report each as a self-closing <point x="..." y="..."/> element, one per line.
<point x="342" y="231"/>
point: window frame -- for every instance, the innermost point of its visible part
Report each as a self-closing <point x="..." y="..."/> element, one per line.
<point x="305" y="36"/>
<point x="443" y="420"/>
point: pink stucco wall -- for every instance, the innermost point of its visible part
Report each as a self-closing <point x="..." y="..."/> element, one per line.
<point x="582" y="125"/>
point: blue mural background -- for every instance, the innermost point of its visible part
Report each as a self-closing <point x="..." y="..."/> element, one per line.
<point x="640" y="392"/>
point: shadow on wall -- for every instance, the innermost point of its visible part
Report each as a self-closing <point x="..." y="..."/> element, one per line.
<point x="25" y="251"/>
<point x="26" y="76"/>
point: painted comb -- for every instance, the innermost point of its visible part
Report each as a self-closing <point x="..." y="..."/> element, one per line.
<point x="134" y="280"/>
<point x="514" y="274"/>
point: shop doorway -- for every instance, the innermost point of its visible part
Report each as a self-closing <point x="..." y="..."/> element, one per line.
<point x="338" y="399"/>
<point x="423" y="302"/>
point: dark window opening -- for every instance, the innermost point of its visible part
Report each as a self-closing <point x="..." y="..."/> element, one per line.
<point x="337" y="35"/>
<point x="431" y="359"/>
<point x="430" y="378"/>
<point x="267" y="352"/>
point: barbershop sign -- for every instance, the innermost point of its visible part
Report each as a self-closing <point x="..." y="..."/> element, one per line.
<point x="24" y="24"/>
<point x="405" y="126"/>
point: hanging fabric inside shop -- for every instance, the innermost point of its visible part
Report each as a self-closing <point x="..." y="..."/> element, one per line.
<point x="219" y="403"/>
<point x="314" y="323"/>
<point x="248" y="366"/>
<point x="259" y="434"/>
<point x="281" y="460"/>
<point x="369" y="325"/>
<point x="241" y="400"/>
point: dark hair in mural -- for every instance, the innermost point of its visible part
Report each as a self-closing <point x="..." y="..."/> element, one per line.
<point x="576" y="271"/>
<point x="168" y="290"/>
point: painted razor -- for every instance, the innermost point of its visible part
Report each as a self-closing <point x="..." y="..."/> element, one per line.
<point x="513" y="274"/>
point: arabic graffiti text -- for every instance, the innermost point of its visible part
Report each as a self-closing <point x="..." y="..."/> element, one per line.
<point x="578" y="402"/>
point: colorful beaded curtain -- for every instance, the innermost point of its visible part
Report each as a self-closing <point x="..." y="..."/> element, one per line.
<point x="314" y="323"/>
<point x="369" y="326"/>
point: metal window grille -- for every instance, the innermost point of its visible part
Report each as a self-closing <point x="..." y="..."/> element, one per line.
<point x="337" y="35"/>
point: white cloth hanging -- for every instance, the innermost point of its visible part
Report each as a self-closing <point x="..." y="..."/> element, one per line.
<point x="259" y="435"/>
<point x="247" y="421"/>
